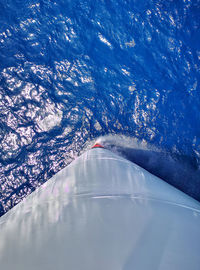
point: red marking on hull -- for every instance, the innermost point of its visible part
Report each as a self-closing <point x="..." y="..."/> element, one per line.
<point x="97" y="145"/>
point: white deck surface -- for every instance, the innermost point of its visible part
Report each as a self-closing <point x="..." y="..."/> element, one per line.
<point x="102" y="212"/>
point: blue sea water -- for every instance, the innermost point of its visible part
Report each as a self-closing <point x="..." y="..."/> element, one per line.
<point x="72" y="71"/>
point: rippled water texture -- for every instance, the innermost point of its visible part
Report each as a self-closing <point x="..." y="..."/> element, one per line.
<point x="71" y="71"/>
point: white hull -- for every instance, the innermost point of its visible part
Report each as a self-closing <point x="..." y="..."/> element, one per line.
<point x="102" y="212"/>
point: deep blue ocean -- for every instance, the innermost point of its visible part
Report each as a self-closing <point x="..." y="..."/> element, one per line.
<point x="72" y="71"/>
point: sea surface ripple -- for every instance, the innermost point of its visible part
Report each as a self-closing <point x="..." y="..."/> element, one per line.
<point x="71" y="71"/>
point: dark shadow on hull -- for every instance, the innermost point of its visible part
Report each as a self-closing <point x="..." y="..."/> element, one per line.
<point x="180" y="171"/>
